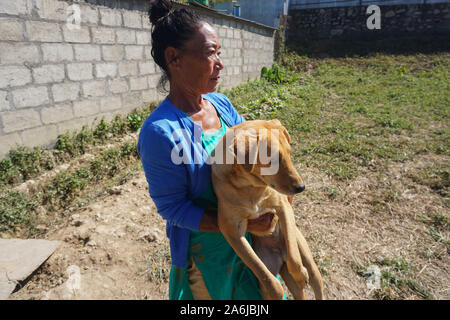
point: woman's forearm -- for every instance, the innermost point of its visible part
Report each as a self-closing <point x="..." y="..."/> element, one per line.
<point x="209" y="222"/>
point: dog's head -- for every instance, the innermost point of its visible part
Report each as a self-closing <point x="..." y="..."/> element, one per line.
<point x="261" y="151"/>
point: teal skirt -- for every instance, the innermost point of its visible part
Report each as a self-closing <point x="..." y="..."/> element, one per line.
<point x="225" y="275"/>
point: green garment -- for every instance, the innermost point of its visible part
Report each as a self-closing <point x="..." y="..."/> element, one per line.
<point x="225" y="275"/>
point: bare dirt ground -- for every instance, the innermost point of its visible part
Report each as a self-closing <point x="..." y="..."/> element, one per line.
<point x="117" y="243"/>
<point x="110" y="241"/>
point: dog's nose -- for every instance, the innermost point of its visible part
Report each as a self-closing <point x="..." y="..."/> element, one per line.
<point x="300" y="188"/>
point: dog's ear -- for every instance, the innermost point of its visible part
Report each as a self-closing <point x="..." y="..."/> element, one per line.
<point x="283" y="129"/>
<point x="246" y="147"/>
<point x="286" y="134"/>
<point x="276" y="122"/>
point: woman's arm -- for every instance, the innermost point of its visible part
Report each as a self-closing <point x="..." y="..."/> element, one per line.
<point x="209" y="222"/>
<point x="167" y="181"/>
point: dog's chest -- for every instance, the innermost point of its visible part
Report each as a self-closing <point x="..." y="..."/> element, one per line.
<point x="266" y="204"/>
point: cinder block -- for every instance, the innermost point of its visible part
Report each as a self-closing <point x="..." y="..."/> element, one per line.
<point x="87" y="52"/>
<point x="16" y="7"/>
<point x="57" y="52"/>
<point x="94" y="88"/>
<point x="48" y="73"/>
<point x="134" y="52"/>
<point x="149" y="96"/>
<point x="153" y="80"/>
<point x="79" y="71"/>
<point x="147" y="67"/>
<point x="113" y="53"/>
<point x="125" y="36"/>
<point x="40" y="136"/>
<point x="18" y="53"/>
<point x="9" y="142"/>
<point x="132" y="100"/>
<point x="226" y="43"/>
<point x="104" y="70"/>
<point x="132" y="19"/>
<point x="222" y="32"/>
<point x="43" y="31"/>
<point x="139" y="83"/>
<point x="80" y="35"/>
<point x="57" y="113"/>
<point x="110" y="17"/>
<point x="19" y="120"/>
<point x="118" y="85"/>
<point x="30" y="97"/>
<point x="110" y="103"/>
<point x="14" y="76"/>
<point x="103" y="35"/>
<point x="11" y="29"/>
<point x="4" y="101"/>
<point x="85" y="108"/>
<point x="237" y="34"/>
<point x="89" y="14"/>
<point x="146" y="22"/>
<point x="143" y="37"/>
<point x="148" y="53"/>
<point x="128" y="68"/>
<point x="66" y="91"/>
<point x="51" y="9"/>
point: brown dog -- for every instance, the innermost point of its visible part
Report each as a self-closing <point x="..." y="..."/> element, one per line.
<point x="247" y="186"/>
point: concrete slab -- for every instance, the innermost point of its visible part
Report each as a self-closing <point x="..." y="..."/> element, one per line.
<point x="19" y="258"/>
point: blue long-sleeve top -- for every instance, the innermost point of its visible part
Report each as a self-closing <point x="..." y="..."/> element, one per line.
<point x="175" y="167"/>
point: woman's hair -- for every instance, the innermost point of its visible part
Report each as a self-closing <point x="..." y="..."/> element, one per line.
<point x="171" y="28"/>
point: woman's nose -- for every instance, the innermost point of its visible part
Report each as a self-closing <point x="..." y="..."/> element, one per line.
<point x="219" y="64"/>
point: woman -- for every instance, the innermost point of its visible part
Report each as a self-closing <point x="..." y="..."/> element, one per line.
<point x="192" y="118"/>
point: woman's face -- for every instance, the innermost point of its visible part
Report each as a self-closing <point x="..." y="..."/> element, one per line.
<point x="198" y="65"/>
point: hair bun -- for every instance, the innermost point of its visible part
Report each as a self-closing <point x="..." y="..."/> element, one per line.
<point x="159" y="9"/>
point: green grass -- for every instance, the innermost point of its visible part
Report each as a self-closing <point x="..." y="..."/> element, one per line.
<point x="67" y="188"/>
<point x="351" y="115"/>
<point x="15" y="209"/>
<point x="397" y="279"/>
<point x="24" y="163"/>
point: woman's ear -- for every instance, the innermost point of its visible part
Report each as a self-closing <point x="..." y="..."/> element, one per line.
<point x="172" y="57"/>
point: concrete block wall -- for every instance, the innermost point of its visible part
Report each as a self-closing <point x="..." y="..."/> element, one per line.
<point x="404" y="20"/>
<point x="54" y="78"/>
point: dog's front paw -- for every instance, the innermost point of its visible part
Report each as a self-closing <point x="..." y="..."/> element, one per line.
<point x="304" y="275"/>
<point x="273" y="291"/>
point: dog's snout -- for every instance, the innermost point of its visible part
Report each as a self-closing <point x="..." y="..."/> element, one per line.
<point x="300" y="188"/>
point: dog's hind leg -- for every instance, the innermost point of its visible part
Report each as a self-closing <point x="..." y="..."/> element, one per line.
<point x="315" y="278"/>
